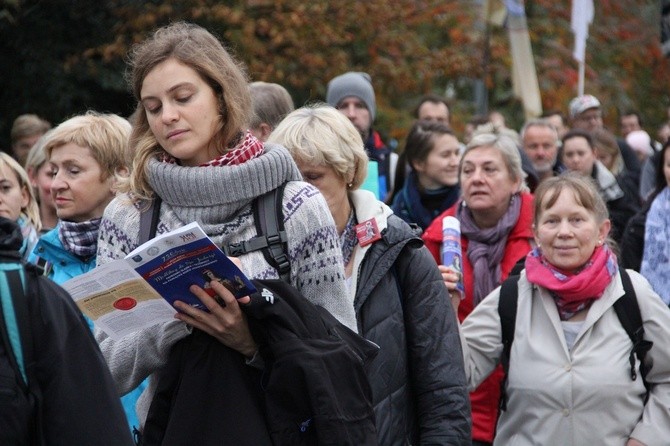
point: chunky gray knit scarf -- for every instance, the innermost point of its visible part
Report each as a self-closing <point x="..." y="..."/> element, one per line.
<point x="211" y="195"/>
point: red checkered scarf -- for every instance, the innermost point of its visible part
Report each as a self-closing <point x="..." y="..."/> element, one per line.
<point x="247" y="149"/>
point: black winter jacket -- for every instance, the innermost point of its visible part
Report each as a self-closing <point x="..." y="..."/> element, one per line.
<point x="418" y="381"/>
<point x="313" y="389"/>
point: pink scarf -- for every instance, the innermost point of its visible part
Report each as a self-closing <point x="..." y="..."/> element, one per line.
<point x="248" y="148"/>
<point x="573" y="292"/>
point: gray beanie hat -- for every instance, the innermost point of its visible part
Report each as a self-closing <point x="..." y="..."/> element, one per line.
<point x="353" y="83"/>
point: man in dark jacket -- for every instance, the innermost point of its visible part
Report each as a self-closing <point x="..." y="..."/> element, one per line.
<point x="62" y="393"/>
<point x="352" y="94"/>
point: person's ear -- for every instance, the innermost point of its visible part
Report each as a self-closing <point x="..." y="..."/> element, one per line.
<point x="25" y="197"/>
<point x="114" y="178"/>
<point x="123" y="172"/>
<point x="535" y="235"/>
<point x="418" y="166"/>
<point x="604" y="230"/>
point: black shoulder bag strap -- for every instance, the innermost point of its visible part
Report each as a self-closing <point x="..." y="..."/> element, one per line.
<point x="149" y="220"/>
<point x="628" y="311"/>
<point x="271" y="238"/>
<point x="507" y="305"/>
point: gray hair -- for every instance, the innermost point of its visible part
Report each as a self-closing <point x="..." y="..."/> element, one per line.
<point x="509" y="150"/>
<point x="539" y="122"/>
<point x="271" y="103"/>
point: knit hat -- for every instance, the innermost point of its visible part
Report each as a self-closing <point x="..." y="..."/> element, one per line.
<point x="640" y="141"/>
<point x="353" y="83"/>
<point x="582" y="103"/>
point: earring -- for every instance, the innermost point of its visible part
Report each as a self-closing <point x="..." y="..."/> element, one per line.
<point x="350" y="185"/>
<point x="600" y="242"/>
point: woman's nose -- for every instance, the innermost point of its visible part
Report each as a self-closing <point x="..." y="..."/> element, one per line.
<point x="564" y="228"/>
<point x="477" y="175"/>
<point x="57" y="182"/>
<point x="169" y="113"/>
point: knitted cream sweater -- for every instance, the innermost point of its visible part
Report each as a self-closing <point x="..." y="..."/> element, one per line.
<point x="219" y="199"/>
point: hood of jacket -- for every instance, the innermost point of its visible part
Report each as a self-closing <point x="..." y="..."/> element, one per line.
<point x="373" y="261"/>
<point x="10" y="235"/>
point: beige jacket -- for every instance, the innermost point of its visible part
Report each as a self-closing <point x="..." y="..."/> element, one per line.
<point x="582" y="397"/>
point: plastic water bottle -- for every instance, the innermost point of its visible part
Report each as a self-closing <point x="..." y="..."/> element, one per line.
<point x="452" y="255"/>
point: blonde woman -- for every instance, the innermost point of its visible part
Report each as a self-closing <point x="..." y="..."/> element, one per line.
<point x="86" y="155"/>
<point x="401" y="304"/>
<point x="17" y="201"/>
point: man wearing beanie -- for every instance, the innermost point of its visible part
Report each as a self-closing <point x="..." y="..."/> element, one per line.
<point x="352" y="94"/>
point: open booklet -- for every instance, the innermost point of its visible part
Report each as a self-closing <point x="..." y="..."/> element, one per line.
<point x="138" y="291"/>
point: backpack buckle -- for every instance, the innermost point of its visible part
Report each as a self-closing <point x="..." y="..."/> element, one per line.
<point x="236" y="249"/>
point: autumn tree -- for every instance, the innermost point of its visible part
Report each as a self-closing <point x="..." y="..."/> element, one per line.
<point x="61" y="57"/>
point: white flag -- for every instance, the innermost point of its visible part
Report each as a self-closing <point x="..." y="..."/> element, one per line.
<point x="582" y="16"/>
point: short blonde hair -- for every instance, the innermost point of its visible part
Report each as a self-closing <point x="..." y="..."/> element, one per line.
<point x="31" y="210"/>
<point x="321" y="135"/>
<point x="198" y="49"/>
<point x="509" y="150"/>
<point x="106" y="135"/>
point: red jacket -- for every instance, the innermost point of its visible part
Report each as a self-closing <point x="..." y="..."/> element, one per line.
<point x="486" y="397"/>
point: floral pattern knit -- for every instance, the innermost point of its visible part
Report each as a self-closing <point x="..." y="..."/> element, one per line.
<point x="220" y="199"/>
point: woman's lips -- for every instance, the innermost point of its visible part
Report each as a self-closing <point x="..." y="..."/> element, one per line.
<point x="175" y="133"/>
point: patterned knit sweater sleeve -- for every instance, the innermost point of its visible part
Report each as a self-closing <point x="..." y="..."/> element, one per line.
<point x="134" y="357"/>
<point x="317" y="268"/>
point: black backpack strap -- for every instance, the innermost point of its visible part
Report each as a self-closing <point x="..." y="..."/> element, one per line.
<point x="149" y="220"/>
<point x="628" y="312"/>
<point x="507" y="305"/>
<point x="519" y="266"/>
<point x="271" y="238"/>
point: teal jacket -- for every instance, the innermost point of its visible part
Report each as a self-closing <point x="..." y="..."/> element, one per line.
<point x="61" y="266"/>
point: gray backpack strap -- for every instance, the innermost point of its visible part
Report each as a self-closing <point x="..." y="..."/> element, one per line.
<point x="271" y="238"/>
<point x="149" y="220"/>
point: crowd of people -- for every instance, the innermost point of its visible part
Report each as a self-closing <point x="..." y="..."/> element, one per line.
<point x="572" y="218"/>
